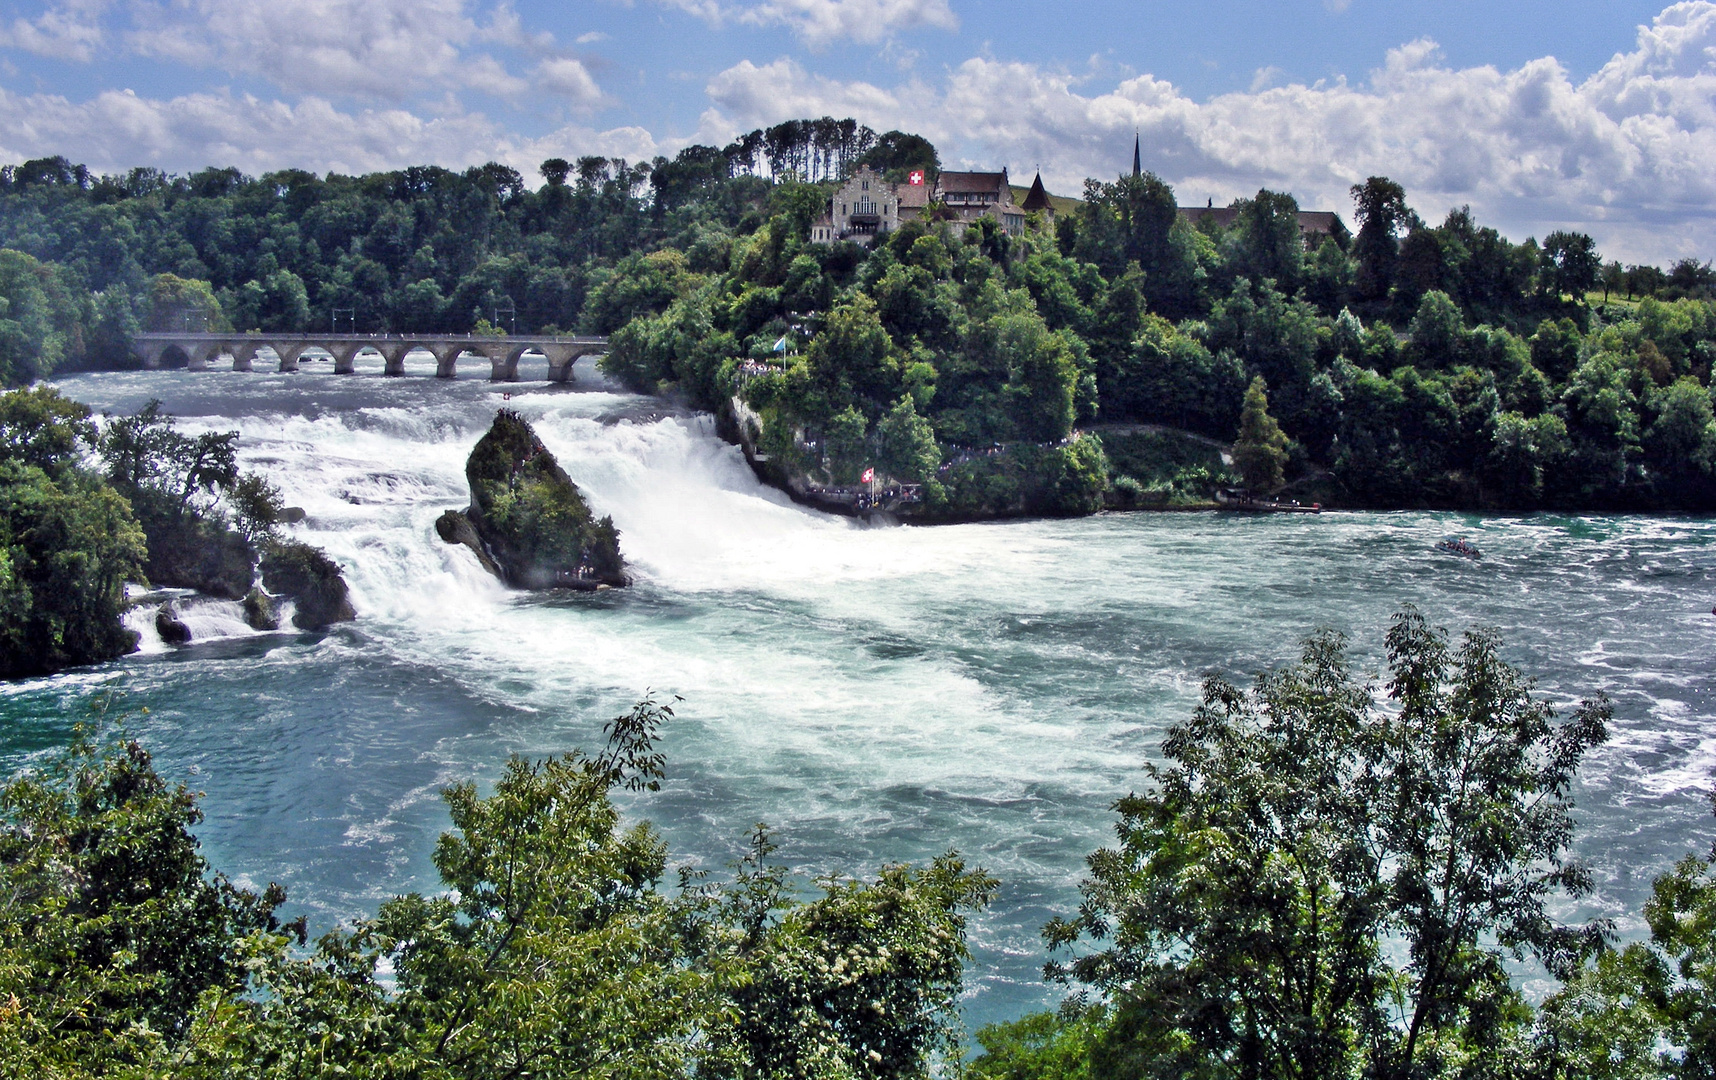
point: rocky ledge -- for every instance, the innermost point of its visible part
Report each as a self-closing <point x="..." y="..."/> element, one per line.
<point x="527" y="521"/>
<point x="306" y="574"/>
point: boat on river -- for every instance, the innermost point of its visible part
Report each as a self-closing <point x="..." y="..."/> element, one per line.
<point x="1456" y="545"/>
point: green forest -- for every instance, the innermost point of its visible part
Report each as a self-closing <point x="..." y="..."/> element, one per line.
<point x="1403" y="363"/>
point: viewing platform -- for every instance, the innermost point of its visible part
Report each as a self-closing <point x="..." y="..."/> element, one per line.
<point x="199" y="351"/>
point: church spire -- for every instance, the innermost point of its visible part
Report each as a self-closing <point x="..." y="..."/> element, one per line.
<point x="1137" y="154"/>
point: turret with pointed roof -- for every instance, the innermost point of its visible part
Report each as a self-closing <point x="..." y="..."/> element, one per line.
<point x="1037" y="198"/>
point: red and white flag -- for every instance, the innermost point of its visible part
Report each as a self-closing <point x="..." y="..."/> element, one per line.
<point x="915" y="178"/>
<point x="869" y="477"/>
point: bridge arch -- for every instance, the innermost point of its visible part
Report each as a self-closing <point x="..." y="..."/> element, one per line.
<point x="171" y="357"/>
<point x="195" y="350"/>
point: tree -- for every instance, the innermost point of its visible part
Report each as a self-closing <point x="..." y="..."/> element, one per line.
<point x="1522" y="449"/>
<point x="42" y="427"/>
<point x="37" y="319"/>
<point x="145" y="453"/>
<point x="68" y="541"/>
<point x="1270" y="243"/>
<point x="1420" y="268"/>
<point x="1261" y="449"/>
<point x="174" y="483"/>
<point x="1438" y="332"/>
<point x="1239" y="927"/>
<point x="114" y="925"/>
<point x="1646" y="1012"/>
<point x="69" y="544"/>
<point x="176" y="305"/>
<point x="906" y="446"/>
<point x="1169" y="378"/>
<point x="1571" y="264"/>
<point x="853" y="357"/>
<point x="896" y="153"/>
<point x="257" y="506"/>
<point x="1555" y="348"/>
<point x="1380" y="206"/>
<point x="848" y="447"/>
<point x="1681" y="442"/>
<point x="556" y="949"/>
<point x="275" y="301"/>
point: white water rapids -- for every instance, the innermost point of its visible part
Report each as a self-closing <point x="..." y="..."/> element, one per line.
<point x="875" y="695"/>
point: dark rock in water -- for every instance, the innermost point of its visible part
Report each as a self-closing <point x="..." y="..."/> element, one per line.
<point x="291" y="515"/>
<point x="312" y="580"/>
<point x="188" y="552"/>
<point x="167" y="624"/>
<point x="261" y="611"/>
<point x="455" y="528"/>
<point x="527" y="519"/>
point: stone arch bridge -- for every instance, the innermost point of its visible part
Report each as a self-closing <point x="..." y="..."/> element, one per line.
<point x="198" y="351"/>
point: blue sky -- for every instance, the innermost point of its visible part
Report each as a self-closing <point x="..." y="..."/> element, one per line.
<point x="1541" y="115"/>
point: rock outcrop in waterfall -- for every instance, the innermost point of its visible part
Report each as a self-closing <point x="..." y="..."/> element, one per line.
<point x="527" y="521"/>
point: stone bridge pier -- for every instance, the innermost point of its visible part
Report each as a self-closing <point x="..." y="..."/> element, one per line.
<point x="562" y="357"/>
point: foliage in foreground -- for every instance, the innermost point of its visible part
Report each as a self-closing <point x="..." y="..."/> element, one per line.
<point x="555" y="948"/>
<point x="68" y="541"/>
<point x="1319" y="884"/>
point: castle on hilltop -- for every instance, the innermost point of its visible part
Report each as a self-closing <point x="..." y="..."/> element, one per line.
<point x="866" y="206"/>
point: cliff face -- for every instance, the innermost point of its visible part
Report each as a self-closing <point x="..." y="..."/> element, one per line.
<point x="530" y="525"/>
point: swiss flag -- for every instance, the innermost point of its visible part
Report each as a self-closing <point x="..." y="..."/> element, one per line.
<point x="868" y="477"/>
<point x="916" y="178"/>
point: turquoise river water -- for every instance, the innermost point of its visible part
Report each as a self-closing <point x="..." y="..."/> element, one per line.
<point x="874" y="694"/>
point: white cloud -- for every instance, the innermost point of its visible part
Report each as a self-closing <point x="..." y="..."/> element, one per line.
<point x="755" y="96"/>
<point x="118" y="129"/>
<point x="591" y="38"/>
<point x="66" y="31"/>
<point x="1265" y="77"/>
<point x="822" y="22"/>
<point x="387" y="49"/>
<point x="486" y="74"/>
<point x="568" y="78"/>
<point x="1628" y="154"/>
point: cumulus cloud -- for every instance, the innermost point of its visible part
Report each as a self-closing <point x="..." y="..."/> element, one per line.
<point x="569" y="79"/>
<point x="378" y="47"/>
<point x="822" y="22"/>
<point x="1623" y="154"/>
<point x="66" y="31"/>
<point x="784" y="89"/>
<point x="118" y="129"/>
